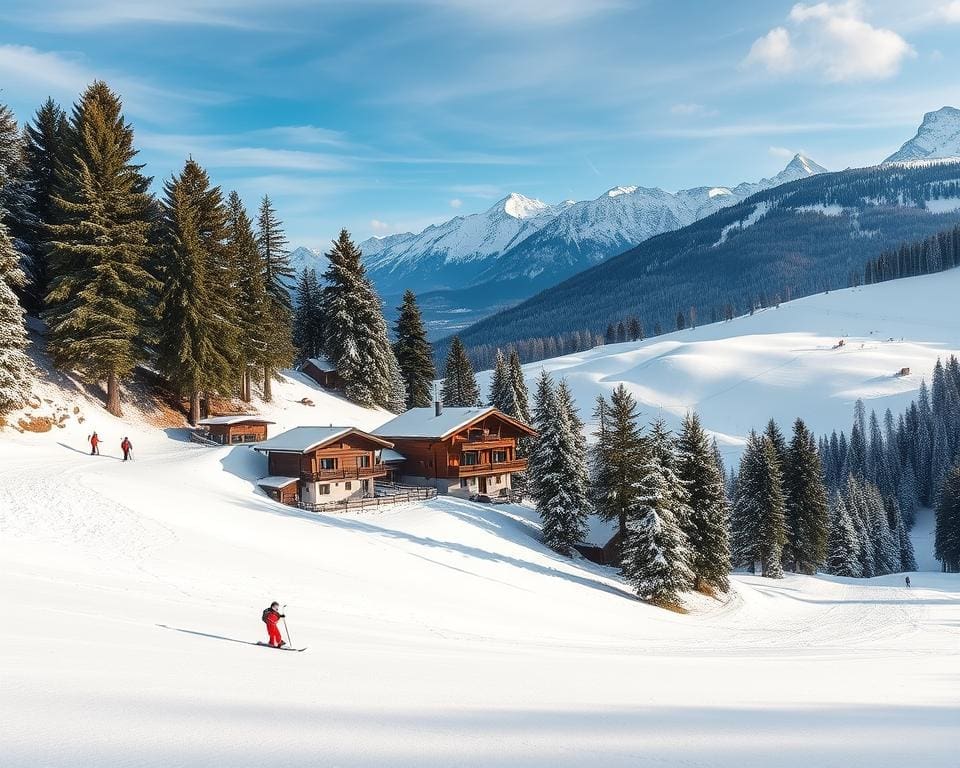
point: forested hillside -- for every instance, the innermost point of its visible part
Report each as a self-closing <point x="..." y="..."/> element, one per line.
<point x="800" y="238"/>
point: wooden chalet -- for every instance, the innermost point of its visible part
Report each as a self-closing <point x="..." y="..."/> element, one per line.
<point x="459" y="451"/>
<point x="323" y="372"/>
<point x="319" y="465"/>
<point x="235" y="428"/>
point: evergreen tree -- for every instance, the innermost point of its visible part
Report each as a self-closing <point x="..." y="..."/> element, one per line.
<point x="778" y="442"/>
<point x="16" y="198"/>
<point x="277" y="275"/>
<point x="843" y="558"/>
<point x="414" y="353"/>
<point x="307" y="317"/>
<point x="45" y="149"/>
<point x="707" y="528"/>
<point x="947" y="537"/>
<point x="501" y="385"/>
<point x="557" y="470"/>
<point x="758" y="525"/>
<point x="521" y="402"/>
<point x="250" y="297"/>
<point x="15" y="366"/>
<point x="99" y="303"/>
<point x="807" y="512"/>
<point x="197" y="339"/>
<point x="459" y="382"/>
<point x="655" y="555"/>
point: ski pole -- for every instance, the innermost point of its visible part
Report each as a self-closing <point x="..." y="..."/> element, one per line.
<point x="286" y="628"/>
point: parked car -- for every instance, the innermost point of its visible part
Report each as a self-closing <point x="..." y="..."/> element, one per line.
<point x="481" y="498"/>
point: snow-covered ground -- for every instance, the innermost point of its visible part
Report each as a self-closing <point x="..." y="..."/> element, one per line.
<point x="443" y="633"/>
<point x="780" y="362"/>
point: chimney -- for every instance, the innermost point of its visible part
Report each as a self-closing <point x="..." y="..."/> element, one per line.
<point x="438" y="407"/>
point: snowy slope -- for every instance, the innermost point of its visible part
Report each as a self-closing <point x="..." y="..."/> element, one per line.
<point x="937" y="137"/>
<point x="780" y="363"/>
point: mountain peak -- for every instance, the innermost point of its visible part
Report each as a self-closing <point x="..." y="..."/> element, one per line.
<point x="803" y="166"/>
<point x="938" y="136"/>
<point x="521" y="207"/>
<point x="617" y="191"/>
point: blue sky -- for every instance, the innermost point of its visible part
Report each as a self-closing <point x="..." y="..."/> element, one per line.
<point x="387" y="115"/>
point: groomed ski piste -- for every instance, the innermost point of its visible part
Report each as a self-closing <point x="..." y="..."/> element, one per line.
<point x="444" y="633"/>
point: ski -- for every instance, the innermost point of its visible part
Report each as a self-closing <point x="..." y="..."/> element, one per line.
<point x="282" y="648"/>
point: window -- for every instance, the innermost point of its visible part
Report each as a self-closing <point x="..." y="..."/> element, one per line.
<point x="236" y="438"/>
<point x="499" y="456"/>
<point x="328" y="463"/>
<point x="363" y="461"/>
<point x="473" y="481"/>
<point x="498" y="479"/>
<point x="474" y="435"/>
<point x="348" y="485"/>
<point x="323" y="490"/>
<point x="469" y="458"/>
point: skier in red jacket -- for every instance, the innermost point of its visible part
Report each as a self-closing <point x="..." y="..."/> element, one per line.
<point x="126" y="446"/>
<point x="270" y="617"/>
<point x="94" y="444"/>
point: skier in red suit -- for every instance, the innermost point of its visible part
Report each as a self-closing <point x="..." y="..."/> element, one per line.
<point x="270" y="617"/>
<point x="94" y="444"/>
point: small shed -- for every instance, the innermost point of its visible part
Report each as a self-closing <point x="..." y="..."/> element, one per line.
<point x="235" y="429"/>
<point x="278" y="488"/>
<point x="323" y="372"/>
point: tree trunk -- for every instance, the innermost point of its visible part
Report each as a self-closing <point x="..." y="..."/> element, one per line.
<point x="245" y="385"/>
<point x="267" y="384"/>
<point x="113" y="395"/>
<point x="194" y="407"/>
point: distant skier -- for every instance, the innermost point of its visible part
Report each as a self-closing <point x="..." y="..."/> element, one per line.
<point x="94" y="444"/>
<point x="270" y="617"/>
<point x="907" y="580"/>
<point x="126" y="446"/>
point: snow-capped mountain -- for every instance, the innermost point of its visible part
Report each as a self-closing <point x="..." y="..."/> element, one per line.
<point x="937" y="137"/>
<point x="452" y="254"/>
<point x="591" y="231"/>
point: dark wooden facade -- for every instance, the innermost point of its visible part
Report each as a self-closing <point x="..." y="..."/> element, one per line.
<point x="252" y="430"/>
<point x="608" y="554"/>
<point x="352" y="457"/>
<point x="325" y="375"/>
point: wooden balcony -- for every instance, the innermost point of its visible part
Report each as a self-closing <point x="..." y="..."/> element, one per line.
<point x="494" y="468"/>
<point x="345" y="473"/>
<point x="488" y="441"/>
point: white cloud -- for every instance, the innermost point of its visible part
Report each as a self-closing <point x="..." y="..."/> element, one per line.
<point x="456" y="202"/>
<point x="951" y="12"/>
<point x="781" y="152"/>
<point x="832" y="40"/>
<point x="690" y="109"/>
<point x="380" y="227"/>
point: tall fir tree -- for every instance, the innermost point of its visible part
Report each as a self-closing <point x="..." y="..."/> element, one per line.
<point x="16" y="194"/>
<point x="947" y="532"/>
<point x="501" y="386"/>
<point x="16" y="367"/>
<point x="197" y="338"/>
<point x="843" y="558"/>
<point x="557" y="469"/>
<point x="100" y="300"/>
<point x="277" y="275"/>
<point x="459" y="387"/>
<point x="655" y="555"/>
<point x="251" y="300"/>
<point x="45" y="149"/>
<point x="708" y="526"/>
<point x="307" y="317"/>
<point x="806" y="507"/>
<point x="758" y="520"/>
<point x="521" y="412"/>
<point x="414" y="353"/>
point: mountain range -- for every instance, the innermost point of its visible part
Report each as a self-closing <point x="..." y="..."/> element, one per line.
<point x="938" y="137"/>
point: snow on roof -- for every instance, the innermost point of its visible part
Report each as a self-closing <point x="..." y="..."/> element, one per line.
<point x="599" y="531"/>
<point x="303" y="439"/>
<point x="275" y="481"/>
<point x="424" y="422"/>
<point x="390" y="455"/>
<point x="322" y="363"/>
<point x="237" y="418"/>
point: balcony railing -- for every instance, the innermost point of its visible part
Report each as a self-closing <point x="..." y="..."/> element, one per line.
<point x="489" y="468"/>
<point x="345" y="473"/>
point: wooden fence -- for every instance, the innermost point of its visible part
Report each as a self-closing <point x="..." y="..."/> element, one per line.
<point x="412" y="493"/>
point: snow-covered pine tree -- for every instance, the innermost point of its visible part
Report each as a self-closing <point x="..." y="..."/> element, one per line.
<point x="16" y="367"/>
<point x="854" y="496"/>
<point x="907" y="495"/>
<point x="886" y="548"/>
<point x="557" y="471"/>
<point x="250" y="296"/>
<point x="100" y="303"/>
<point x="708" y="524"/>
<point x="906" y="559"/>
<point x="16" y="194"/>
<point x="277" y="275"/>
<point x="307" y="333"/>
<point x="197" y="327"/>
<point x="843" y="557"/>
<point x="45" y="148"/>
<point x="778" y="441"/>
<point x="807" y="510"/>
<point x="521" y="400"/>
<point x="459" y="387"/>
<point x="656" y="558"/>
<point x="501" y="386"/>
<point x="414" y="353"/>
<point x="947" y="536"/>
<point x="758" y="522"/>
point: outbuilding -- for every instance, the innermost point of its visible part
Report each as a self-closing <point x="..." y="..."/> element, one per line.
<point x="235" y="428"/>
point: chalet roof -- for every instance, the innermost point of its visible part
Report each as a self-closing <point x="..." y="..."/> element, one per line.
<point x="322" y="363"/>
<point x="599" y="531"/>
<point x="236" y="418"/>
<point x="389" y="455"/>
<point x="304" y="439"/>
<point x="276" y="481"/>
<point x="424" y="422"/>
